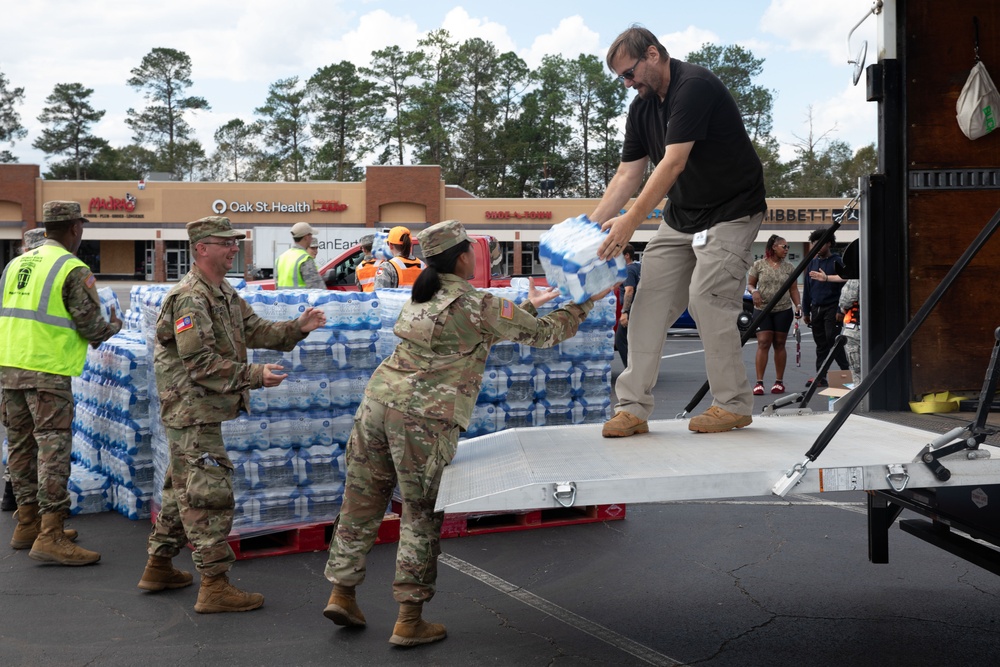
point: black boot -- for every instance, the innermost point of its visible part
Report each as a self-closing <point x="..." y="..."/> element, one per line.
<point x="8" y="504"/>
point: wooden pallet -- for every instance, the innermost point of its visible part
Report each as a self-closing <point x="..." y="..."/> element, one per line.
<point x="301" y="538"/>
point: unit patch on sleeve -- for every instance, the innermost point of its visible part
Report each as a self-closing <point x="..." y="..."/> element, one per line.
<point x="183" y="324"/>
<point x="506" y="309"/>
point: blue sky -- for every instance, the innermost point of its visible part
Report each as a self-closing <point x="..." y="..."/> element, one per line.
<point x="239" y="47"/>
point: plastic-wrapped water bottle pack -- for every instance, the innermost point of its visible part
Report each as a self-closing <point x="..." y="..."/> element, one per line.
<point x="568" y="252"/>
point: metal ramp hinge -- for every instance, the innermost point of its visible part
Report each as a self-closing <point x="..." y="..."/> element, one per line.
<point x="897" y="476"/>
<point x="565" y="493"/>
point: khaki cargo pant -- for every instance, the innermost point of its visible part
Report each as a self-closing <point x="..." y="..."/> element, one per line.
<point x="387" y="446"/>
<point x="709" y="281"/>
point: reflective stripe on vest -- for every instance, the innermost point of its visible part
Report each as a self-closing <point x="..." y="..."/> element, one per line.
<point x="366" y="274"/>
<point x="407" y="270"/>
<point x="289" y="268"/>
<point x="32" y="312"/>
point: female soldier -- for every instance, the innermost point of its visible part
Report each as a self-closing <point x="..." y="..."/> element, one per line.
<point x="402" y="270"/>
<point x="406" y="429"/>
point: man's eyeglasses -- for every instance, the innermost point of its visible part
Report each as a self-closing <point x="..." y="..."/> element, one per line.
<point x="231" y="243"/>
<point x="629" y="74"/>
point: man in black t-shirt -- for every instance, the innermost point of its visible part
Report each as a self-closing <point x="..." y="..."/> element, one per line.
<point x="685" y="121"/>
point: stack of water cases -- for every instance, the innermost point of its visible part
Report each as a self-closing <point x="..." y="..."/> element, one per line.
<point x="288" y="452"/>
<point x="112" y="454"/>
<point x="526" y="386"/>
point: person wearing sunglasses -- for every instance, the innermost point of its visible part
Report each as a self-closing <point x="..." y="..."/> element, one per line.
<point x="203" y="378"/>
<point x="767" y="275"/>
<point x="685" y="122"/>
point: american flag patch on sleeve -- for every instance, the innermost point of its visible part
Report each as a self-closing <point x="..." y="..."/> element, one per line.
<point x="90" y="280"/>
<point x="183" y="324"/>
<point x="506" y="309"/>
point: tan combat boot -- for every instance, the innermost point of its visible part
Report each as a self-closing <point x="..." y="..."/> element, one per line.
<point x="29" y="525"/>
<point x="217" y="595"/>
<point x="717" y="420"/>
<point x="52" y="546"/>
<point x="411" y="630"/>
<point x="161" y="574"/>
<point x="343" y="609"/>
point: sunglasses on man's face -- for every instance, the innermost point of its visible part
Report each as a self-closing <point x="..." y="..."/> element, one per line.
<point x="629" y="74"/>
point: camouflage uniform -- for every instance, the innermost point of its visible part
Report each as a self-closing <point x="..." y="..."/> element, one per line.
<point x="37" y="407"/>
<point x="32" y="239"/>
<point x="849" y="295"/>
<point x="203" y="379"/>
<point x="406" y="429"/>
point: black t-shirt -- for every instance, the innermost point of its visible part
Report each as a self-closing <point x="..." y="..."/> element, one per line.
<point x="723" y="179"/>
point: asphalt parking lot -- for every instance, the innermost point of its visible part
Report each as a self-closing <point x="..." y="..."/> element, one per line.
<point x="751" y="581"/>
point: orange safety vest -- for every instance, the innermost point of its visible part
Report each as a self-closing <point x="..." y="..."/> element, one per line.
<point x="366" y="274"/>
<point x="407" y="270"/>
<point x="852" y="318"/>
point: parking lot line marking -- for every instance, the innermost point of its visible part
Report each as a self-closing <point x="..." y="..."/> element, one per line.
<point x="600" y="632"/>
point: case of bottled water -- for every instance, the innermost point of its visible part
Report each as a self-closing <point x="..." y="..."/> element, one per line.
<point x="380" y="246"/>
<point x="503" y="353"/>
<point x="347" y="387"/>
<point x="133" y="505"/>
<point x="554" y="380"/>
<point x="518" y="414"/>
<point x="318" y="465"/>
<point x="318" y="503"/>
<point x="496" y="384"/>
<point x="521" y="382"/>
<point x="246" y="432"/>
<point x="558" y="412"/>
<point x="486" y="418"/>
<point x="568" y="253"/>
<point x="89" y="491"/>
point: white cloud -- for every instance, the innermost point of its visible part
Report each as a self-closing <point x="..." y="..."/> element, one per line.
<point x="820" y="26"/>
<point x="569" y="39"/>
<point x="680" y="44"/>
<point x="462" y="27"/>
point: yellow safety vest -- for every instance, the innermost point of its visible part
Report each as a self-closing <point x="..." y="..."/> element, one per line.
<point x="37" y="331"/>
<point x="289" y="268"/>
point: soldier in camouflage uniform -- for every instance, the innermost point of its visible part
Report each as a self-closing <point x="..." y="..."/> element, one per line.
<point x="406" y="429"/>
<point x="202" y="379"/>
<point x="51" y="308"/>
<point x="32" y="239"/>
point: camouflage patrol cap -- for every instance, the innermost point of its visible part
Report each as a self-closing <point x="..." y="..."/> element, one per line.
<point x="213" y="225"/>
<point x="33" y="238"/>
<point x="61" y="211"/>
<point x="367" y="241"/>
<point x="438" y="238"/>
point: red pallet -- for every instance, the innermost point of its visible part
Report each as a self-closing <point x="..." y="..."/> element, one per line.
<point x="461" y="525"/>
<point x="302" y="538"/>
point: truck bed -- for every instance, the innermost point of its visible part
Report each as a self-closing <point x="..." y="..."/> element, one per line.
<point x="520" y="469"/>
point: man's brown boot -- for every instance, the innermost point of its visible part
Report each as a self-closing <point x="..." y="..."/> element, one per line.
<point x="29" y="525"/>
<point x="624" y="424"/>
<point x="52" y="546"/>
<point x="343" y="609"/>
<point x="217" y="595"/>
<point x="161" y="574"/>
<point x="411" y="630"/>
<point x="717" y="420"/>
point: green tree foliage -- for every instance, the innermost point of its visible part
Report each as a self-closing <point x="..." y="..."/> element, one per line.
<point x="69" y="117"/>
<point x="432" y="113"/>
<point x="737" y="67"/>
<point x="477" y="101"/>
<point x="129" y="163"/>
<point x="393" y="70"/>
<point x="345" y="115"/>
<point x="10" y="121"/>
<point x="285" y="116"/>
<point x="237" y="154"/>
<point x="163" y="76"/>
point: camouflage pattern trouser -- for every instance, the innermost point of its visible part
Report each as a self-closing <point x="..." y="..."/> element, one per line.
<point x="852" y="346"/>
<point x="198" y="500"/>
<point x="387" y="446"/>
<point x="39" y="443"/>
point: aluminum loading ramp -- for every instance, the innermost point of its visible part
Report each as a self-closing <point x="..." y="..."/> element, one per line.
<point x="553" y="466"/>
